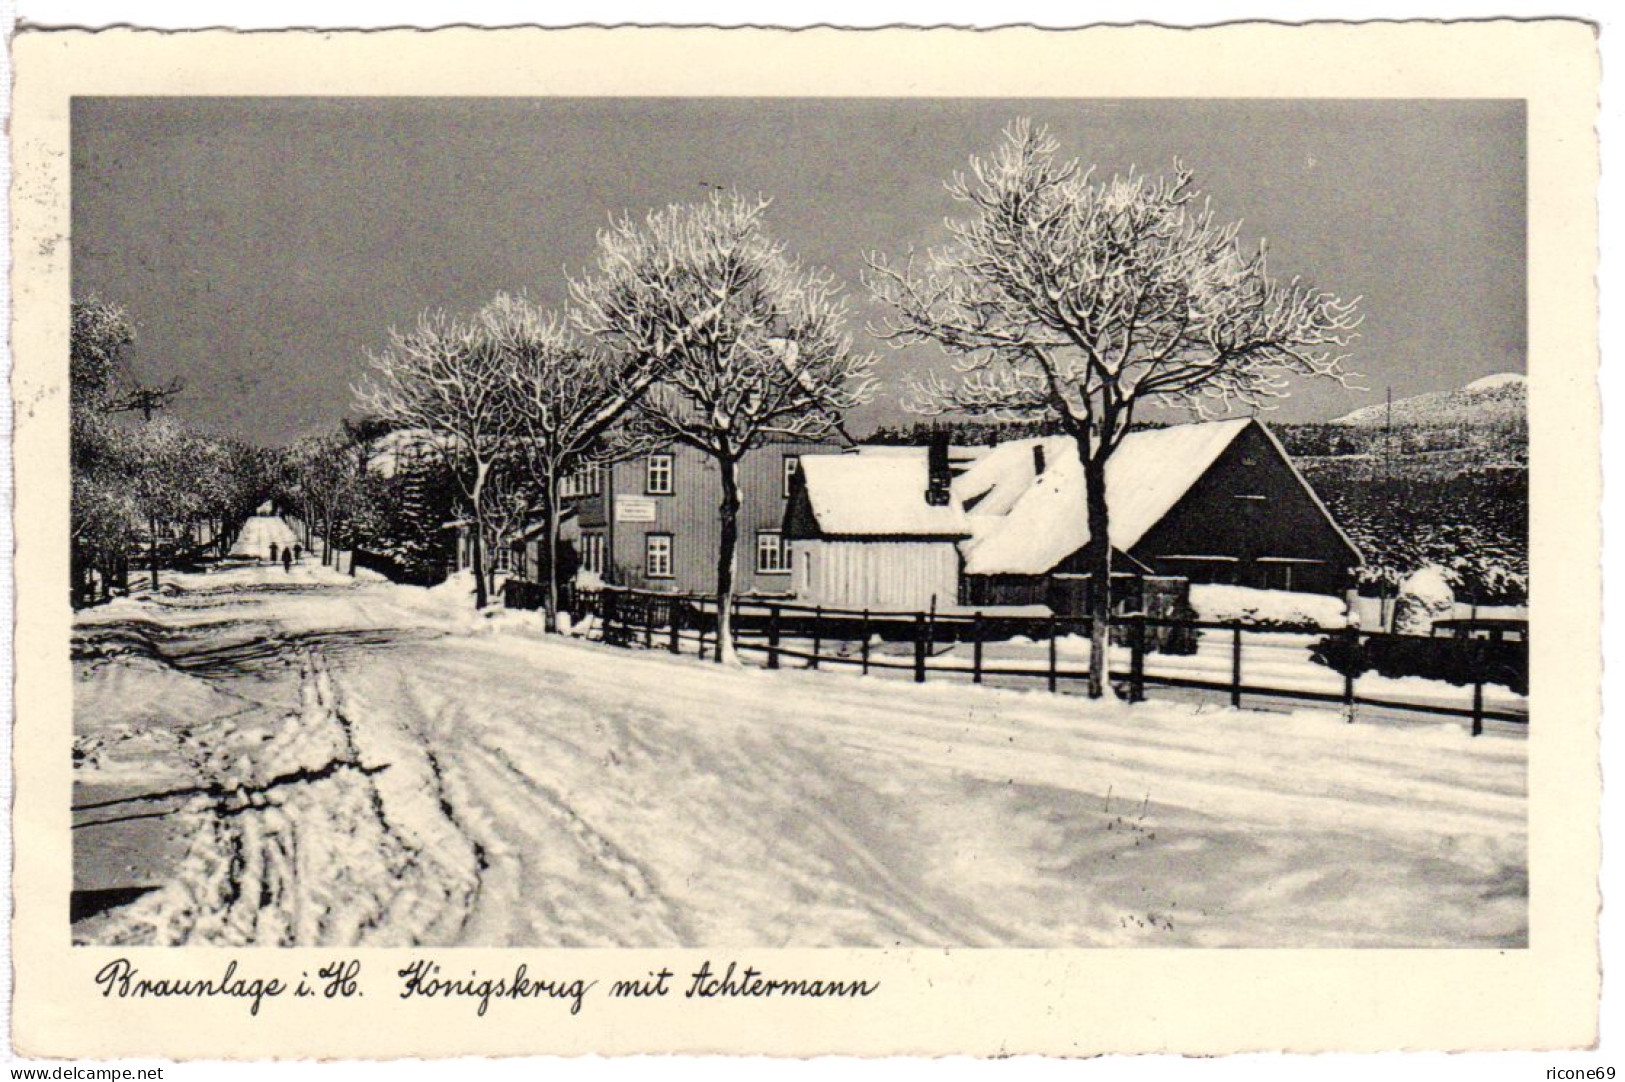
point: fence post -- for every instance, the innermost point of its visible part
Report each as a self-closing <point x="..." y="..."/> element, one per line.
<point x="1052" y="652"/>
<point x="1478" y="689"/>
<point x="1136" y="665"/>
<point x="976" y="648"/>
<point x="672" y="611"/>
<point x="864" y="627"/>
<point x="773" y="637"/>
<point x="818" y="635"/>
<point x="1353" y="638"/>
<point x="648" y="623"/>
<point x="1235" y="663"/>
<point x="919" y="648"/>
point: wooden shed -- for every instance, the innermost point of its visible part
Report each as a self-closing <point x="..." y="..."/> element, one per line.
<point x="875" y="531"/>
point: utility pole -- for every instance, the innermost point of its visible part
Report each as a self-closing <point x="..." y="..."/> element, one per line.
<point x="1388" y="479"/>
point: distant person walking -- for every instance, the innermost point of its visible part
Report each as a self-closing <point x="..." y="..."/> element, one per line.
<point x="287" y="560"/>
<point x="298" y="550"/>
<point x="273" y="552"/>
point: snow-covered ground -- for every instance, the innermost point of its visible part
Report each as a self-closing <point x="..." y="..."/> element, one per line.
<point x="259" y="533"/>
<point x="265" y="757"/>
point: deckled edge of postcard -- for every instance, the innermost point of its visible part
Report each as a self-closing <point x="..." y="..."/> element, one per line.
<point x="930" y="1002"/>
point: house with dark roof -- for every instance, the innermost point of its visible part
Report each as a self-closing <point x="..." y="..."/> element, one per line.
<point x="915" y="528"/>
<point x="653" y="522"/>
<point x="1216" y="502"/>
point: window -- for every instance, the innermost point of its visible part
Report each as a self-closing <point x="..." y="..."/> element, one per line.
<point x="500" y="559"/>
<point x="792" y="466"/>
<point x="657" y="477"/>
<point x="587" y="481"/>
<point x="772" y="557"/>
<point x="657" y="555"/>
<point x="592" y="551"/>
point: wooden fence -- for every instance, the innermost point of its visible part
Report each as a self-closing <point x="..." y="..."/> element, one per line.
<point x="779" y="630"/>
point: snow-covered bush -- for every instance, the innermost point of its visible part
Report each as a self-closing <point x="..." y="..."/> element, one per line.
<point x="1424" y="597"/>
<point x="1266" y="608"/>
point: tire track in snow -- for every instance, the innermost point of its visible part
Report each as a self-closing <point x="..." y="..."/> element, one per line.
<point x="553" y="876"/>
<point x="306" y="842"/>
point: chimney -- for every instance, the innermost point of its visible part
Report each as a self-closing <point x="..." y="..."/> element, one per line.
<point x="936" y="465"/>
<point x="1038" y="459"/>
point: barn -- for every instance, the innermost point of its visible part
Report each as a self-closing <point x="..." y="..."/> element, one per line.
<point x="875" y="531"/>
<point x="1216" y="502"/>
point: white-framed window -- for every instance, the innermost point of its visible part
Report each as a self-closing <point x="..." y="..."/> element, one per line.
<point x="500" y="562"/>
<point x="592" y="551"/>
<point x="586" y="481"/>
<point x="657" y="555"/>
<point x="657" y="475"/>
<point x="792" y="466"/>
<point x="772" y="555"/>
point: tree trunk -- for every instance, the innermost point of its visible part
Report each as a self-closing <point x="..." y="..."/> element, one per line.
<point x="477" y="561"/>
<point x="552" y="496"/>
<point x="1098" y="562"/>
<point x="152" y="548"/>
<point x="476" y="499"/>
<point x="725" y="560"/>
<point x="80" y="575"/>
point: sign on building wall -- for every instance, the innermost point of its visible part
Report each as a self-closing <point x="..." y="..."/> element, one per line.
<point x="634" y="509"/>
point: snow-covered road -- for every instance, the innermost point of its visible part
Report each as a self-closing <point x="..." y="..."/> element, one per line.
<point x="355" y="762"/>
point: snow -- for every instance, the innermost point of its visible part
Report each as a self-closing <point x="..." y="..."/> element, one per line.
<point x="1223" y="604"/>
<point x="414" y="777"/>
<point x="1494" y="398"/>
<point x="870" y="495"/>
<point x="260" y="532"/>
<point x="1034" y="522"/>
<point x="1424" y="597"/>
<point x="393" y="449"/>
<point x="1430" y="585"/>
<point x="1497" y="381"/>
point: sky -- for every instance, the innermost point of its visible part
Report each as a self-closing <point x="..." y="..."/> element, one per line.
<point x="264" y="246"/>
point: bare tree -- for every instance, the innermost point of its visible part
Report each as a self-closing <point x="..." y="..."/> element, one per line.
<point x="511" y="504"/>
<point x="445" y="377"/>
<point x="160" y="458"/>
<point x="753" y="342"/>
<point x="1079" y="299"/>
<point x="567" y="397"/>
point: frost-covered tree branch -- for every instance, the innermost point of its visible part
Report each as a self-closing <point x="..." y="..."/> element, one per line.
<point x="568" y="399"/>
<point x="1062" y="295"/>
<point x="749" y="343"/>
<point x="446" y="378"/>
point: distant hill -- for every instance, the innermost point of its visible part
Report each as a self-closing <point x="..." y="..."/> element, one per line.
<point x="1445" y="484"/>
<point x="1491" y="401"/>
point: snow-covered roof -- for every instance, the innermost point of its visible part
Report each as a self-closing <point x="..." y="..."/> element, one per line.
<point x="959" y="454"/>
<point x="1024" y="524"/>
<point x="389" y="450"/>
<point x="868" y="495"/>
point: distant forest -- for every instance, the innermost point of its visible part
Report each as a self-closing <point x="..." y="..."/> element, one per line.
<point x="1448" y="493"/>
